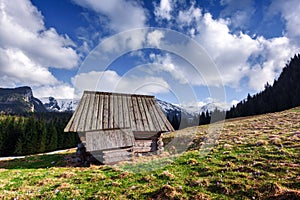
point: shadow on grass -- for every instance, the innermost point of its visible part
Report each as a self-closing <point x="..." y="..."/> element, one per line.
<point x="42" y="161"/>
<point x="36" y="161"/>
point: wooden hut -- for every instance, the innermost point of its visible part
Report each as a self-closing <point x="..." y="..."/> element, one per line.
<point x="113" y="126"/>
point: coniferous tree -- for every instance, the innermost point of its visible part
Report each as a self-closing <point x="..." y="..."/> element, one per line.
<point x="31" y="136"/>
<point x="42" y="136"/>
<point x="175" y="122"/>
<point x="202" y="119"/>
<point x="53" y="138"/>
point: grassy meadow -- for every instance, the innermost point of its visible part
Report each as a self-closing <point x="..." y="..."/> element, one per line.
<point x="252" y="158"/>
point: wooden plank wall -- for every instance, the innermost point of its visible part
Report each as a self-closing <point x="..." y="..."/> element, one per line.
<point x="100" y="111"/>
<point x="113" y="155"/>
<point x="109" y="139"/>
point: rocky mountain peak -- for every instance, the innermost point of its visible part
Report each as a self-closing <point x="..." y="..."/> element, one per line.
<point x="19" y="100"/>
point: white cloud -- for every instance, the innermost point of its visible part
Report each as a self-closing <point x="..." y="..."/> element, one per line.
<point x="187" y="17"/>
<point x="21" y="70"/>
<point x="233" y="53"/>
<point x="112" y="82"/>
<point x="143" y="85"/>
<point x="277" y="52"/>
<point x="22" y="27"/>
<point x="290" y="11"/>
<point x="122" y="14"/>
<point x="154" y="38"/>
<point x="123" y="42"/>
<point x="28" y="48"/>
<point x="238" y="12"/>
<point x="163" y="10"/>
<point x="59" y="91"/>
<point x="89" y="81"/>
<point x="229" y="51"/>
<point x="165" y="63"/>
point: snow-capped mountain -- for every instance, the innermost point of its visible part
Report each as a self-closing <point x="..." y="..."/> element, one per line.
<point x="168" y="107"/>
<point x="183" y="110"/>
<point x="209" y="105"/>
<point x="172" y="110"/>
<point x="60" y="105"/>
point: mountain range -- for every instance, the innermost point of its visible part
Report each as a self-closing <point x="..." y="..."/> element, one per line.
<point x="21" y="100"/>
<point x="67" y="105"/>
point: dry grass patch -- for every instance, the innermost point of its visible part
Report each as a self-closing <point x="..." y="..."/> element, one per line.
<point x="166" y="192"/>
<point x="261" y="143"/>
<point x="67" y="175"/>
<point x="46" y="182"/>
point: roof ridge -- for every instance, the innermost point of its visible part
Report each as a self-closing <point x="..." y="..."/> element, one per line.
<point x="117" y="93"/>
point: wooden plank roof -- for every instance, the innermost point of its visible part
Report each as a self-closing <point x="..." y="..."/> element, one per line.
<point x="105" y="110"/>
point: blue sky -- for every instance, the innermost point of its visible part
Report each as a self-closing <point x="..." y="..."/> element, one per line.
<point x="63" y="47"/>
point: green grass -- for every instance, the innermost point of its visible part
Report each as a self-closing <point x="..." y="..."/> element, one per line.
<point x="246" y="163"/>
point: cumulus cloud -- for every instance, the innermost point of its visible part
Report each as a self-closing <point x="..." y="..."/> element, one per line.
<point x="163" y="10"/>
<point x="22" y="27"/>
<point x="59" y="91"/>
<point x="28" y="48"/>
<point x="165" y="63"/>
<point x="22" y="70"/>
<point x="190" y="16"/>
<point x="290" y="12"/>
<point x="239" y="12"/>
<point x="122" y="14"/>
<point x="111" y="81"/>
<point x="154" y="38"/>
<point x="276" y="52"/>
<point x="237" y="55"/>
<point x="229" y="51"/>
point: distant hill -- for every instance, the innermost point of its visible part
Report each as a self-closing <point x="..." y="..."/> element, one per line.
<point x="282" y="95"/>
<point x="19" y="100"/>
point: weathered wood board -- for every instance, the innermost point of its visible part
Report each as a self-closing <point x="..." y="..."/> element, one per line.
<point x="113" y="155"/>
<point x="108" y="139"/>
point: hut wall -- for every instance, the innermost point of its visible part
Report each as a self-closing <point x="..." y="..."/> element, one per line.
<point x="145" y="135"/>
<point x="146" y="145"/>
<point x="113" y="155"/>
<point x="109" y="139"/>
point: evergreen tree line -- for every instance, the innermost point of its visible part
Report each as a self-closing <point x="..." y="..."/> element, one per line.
<point x="38" y="133"/>
<point x="283" y="94"/>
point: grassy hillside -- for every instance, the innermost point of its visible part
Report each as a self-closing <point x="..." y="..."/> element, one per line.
<point x="254" y="158"/>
